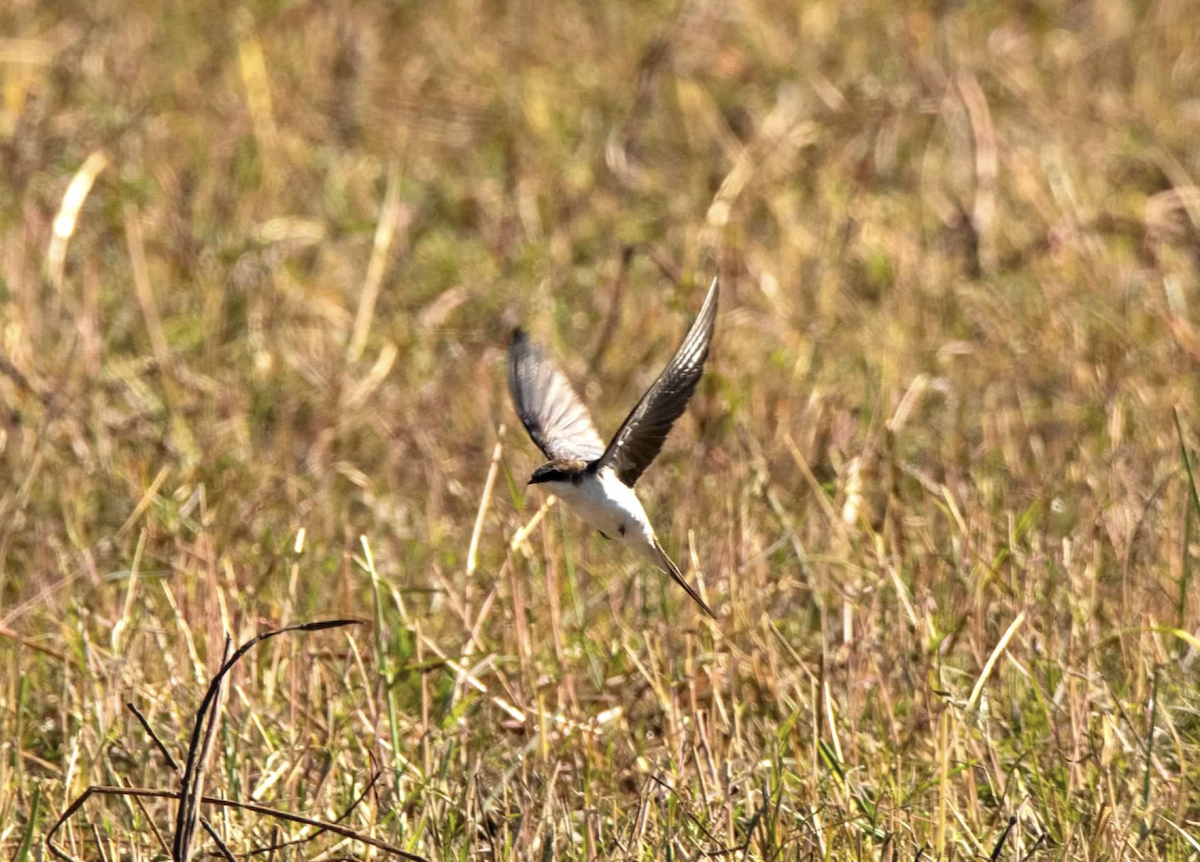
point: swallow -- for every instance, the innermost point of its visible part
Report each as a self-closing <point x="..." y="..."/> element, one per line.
<point x="597" y="481"/>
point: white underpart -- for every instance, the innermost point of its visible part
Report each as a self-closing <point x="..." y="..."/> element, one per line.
<point x="608" y="504"/>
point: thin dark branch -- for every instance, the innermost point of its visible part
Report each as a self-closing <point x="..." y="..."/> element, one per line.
<point x="182" y="834"/>
<point x="691" y="816"/>
<point x="1034" y="848"/>
<point x="147" y="793"/>
<point x="208" y="827"/>
<point x="188" y="813"/>
<point x="283" y="844"/>
<point x="617" y="291"/>
<point x="162" y="749"/>
<point x="665" y="265"/>
<point x="1012" y="821"/>
<point x="16" y="376"/>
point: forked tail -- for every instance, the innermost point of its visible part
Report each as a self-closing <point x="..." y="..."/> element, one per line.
<point x="668" y="566"/>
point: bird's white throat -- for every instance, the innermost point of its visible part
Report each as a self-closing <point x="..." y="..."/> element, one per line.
<point x="608" y="504"/>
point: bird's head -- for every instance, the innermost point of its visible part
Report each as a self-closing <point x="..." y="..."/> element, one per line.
<point x="563" y="470"/>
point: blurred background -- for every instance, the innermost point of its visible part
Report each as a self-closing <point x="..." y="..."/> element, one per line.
<point x="258" y="266"/>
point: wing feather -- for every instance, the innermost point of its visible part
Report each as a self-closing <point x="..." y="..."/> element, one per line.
<point x="641" y="436"/>
<point x="552" y="413"/>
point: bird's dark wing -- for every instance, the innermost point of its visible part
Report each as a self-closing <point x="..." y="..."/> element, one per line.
<point x="552" y="413"/>
<point x="641" y="436"/>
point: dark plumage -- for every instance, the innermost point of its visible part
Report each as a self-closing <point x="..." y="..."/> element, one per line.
<point x="640" y="437"/>
<point x="552" y="413"/>
<point x="595" y="480"/>
<point x="559" y="422"/>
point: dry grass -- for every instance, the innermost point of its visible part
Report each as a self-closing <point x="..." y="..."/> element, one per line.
<point x="257" y="263"/>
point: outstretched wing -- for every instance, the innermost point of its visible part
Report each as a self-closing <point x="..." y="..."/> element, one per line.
<point x="552" y="413"/>
<point x="641" y="436"/>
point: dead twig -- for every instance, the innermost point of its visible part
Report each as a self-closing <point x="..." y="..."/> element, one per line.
<point x="189" y="794"/>
<point x="149" y="793"/>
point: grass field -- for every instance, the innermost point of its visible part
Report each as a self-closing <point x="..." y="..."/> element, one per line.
<point x="258" y="266"/>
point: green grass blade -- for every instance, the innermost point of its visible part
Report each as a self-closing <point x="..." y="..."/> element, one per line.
<point x="30" y="826"/>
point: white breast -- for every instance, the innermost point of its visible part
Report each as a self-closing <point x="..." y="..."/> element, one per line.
<point x="609" y="505"/>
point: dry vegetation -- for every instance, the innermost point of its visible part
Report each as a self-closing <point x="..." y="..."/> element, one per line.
<point x="933" y="479"/>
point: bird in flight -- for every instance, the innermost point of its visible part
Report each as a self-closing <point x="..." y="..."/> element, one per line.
<point x="594" y="480"/>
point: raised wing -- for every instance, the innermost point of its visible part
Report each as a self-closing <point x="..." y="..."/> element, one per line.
<point x="552" y="413"/>
<point x="641" y="436"/>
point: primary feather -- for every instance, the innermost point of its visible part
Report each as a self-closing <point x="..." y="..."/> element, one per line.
<point x="640" y="437"/>
<point x="551" y="412"/>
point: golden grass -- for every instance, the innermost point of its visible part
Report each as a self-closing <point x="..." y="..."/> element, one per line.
<point x="257" y="269"/>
